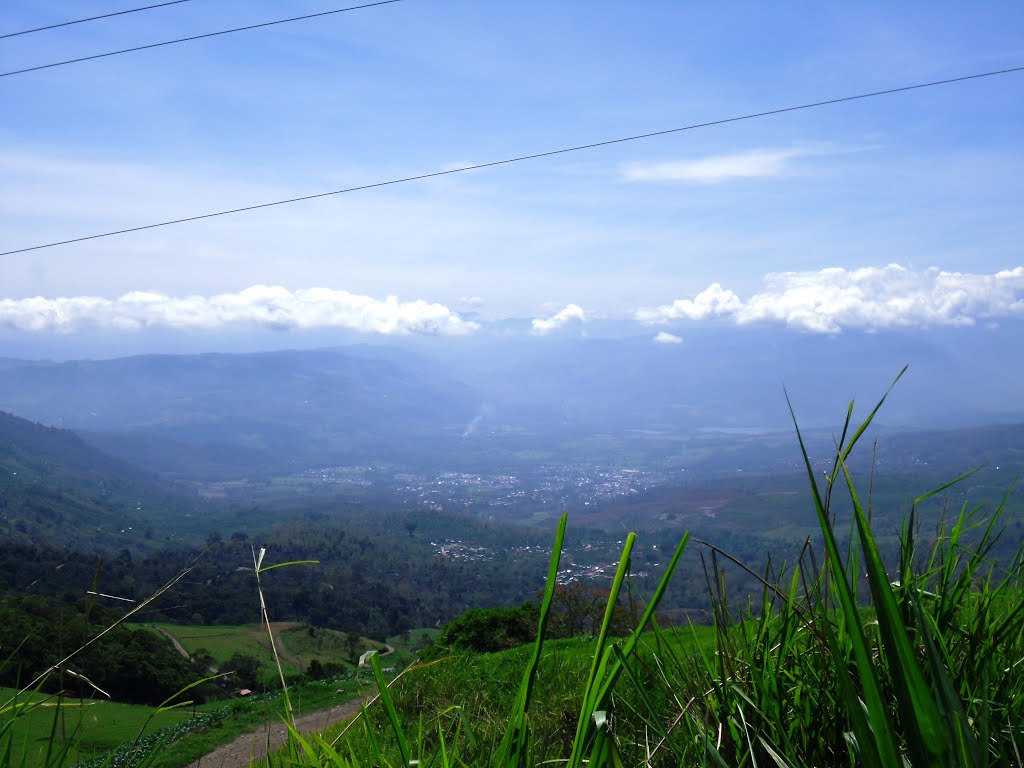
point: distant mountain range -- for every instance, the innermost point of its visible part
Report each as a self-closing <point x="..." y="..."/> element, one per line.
<point x="484" y="400"/>
<point x="207" y="415"/>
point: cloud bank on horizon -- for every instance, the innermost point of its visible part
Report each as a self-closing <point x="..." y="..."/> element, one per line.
<point x="870" y="298"/>
<point x="571" y="313"/>
<point x="259" y="306"/>
<point x="824" y="301"/>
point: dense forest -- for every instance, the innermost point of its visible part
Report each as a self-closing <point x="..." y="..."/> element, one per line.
<point x="136" y="666"/>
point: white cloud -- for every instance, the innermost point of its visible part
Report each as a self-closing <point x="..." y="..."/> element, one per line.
<point x="710" y="302"/>
<point x="260" y="306"/>
<point x="571" y="313"/>
<point x="756" y="163"/>
<point x="668" y="338"/>
<point x="831" y="300"/>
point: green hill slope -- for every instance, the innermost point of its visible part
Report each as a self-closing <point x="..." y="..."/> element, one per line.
<point x="58" y="490"/>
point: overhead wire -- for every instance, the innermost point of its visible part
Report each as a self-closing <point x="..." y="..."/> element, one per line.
<point x="194" y="37"/>
<point x="91" y="18"/>
<point x="521" y="158"/>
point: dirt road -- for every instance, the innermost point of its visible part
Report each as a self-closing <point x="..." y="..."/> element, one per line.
<point x="174" y="641"/>
<point x="252" y="746"/>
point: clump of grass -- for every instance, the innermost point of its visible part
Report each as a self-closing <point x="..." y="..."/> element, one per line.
<point x="926" y="668"/>
<point x="839" y="662"/>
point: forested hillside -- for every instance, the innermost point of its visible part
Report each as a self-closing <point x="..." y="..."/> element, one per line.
<point x="57" y="490"/>
<point x="134" y="666"/>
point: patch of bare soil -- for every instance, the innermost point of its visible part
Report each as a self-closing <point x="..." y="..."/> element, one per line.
<point x="241" y="752"/>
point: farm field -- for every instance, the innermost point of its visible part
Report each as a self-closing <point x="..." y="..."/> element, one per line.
<point x="224" y="641"/>
<point x="297" y="644"/>
<point x="89" y="727"/>
<point x="92" y="728"/>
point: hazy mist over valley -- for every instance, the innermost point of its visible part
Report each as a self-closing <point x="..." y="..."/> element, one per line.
<point x="397" y="403"/>
<point x="516" y="426"/>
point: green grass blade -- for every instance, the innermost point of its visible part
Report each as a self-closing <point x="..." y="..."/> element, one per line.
<point x="655" y="722"/>
<point x="371" y="737"/>
<point x="335" y="758"/>
<point x="600" y="661"/>
<point x="965" y="747"/>
<point x="945" y="486"/>
<point x="922" y="723"/>
<point x="513" y="744"/>
<point x="389" y="707"/>
<point x="871" y="416"/>
<point x="609" y="681"/>
<point x="53" y="731"/>
<point x="297" y="739"/>
<point x="265" y="568"/>
<point x="878" y="744"/>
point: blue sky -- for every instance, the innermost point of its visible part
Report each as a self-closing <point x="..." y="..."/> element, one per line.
<point x="897" y="211"/>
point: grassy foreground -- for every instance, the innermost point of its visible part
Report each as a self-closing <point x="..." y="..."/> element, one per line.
<point x="42" y="730"/>
<point x="850" y="658"/>
<point x="94" y="726"/>
<point x="914" y="656"/>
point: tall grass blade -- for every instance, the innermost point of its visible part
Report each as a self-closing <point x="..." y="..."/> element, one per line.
<point x="922" y="723"/>
<point x="965" y="747"/>
<point x="867" y="421"/>
<point x="604" y="671"/>
<point x="264" y="569"/>
<point x="630" y="644"/>
<point x="600" y="660"/>
<point x="873" y="729"/>
<point x="512" y="750"/>
<point x="389" y="707"/>
<point x="946" y="486"/>
<point x="259" y="568"/>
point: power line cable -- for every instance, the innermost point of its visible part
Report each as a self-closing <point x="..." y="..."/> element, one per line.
<point x="521" y="158"/>
<point x="194" y="37"/>
<point x="91" y="18"/>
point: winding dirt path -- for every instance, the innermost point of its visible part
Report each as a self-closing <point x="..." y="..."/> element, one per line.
<point x="174" y="641"/>
<point x="253" y="746"/>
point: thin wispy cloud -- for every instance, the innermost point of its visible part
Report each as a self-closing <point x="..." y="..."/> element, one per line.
<point x="571" y="313"/>
<point x="755" y="163"/>
<point x="259" y="306"/>
<point x="870" y="298"/>
<point x="762" y="162"/>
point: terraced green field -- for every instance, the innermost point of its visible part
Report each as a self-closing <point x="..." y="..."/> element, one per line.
<point x="297" y="645"/>
<point x="221" y="641"/>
